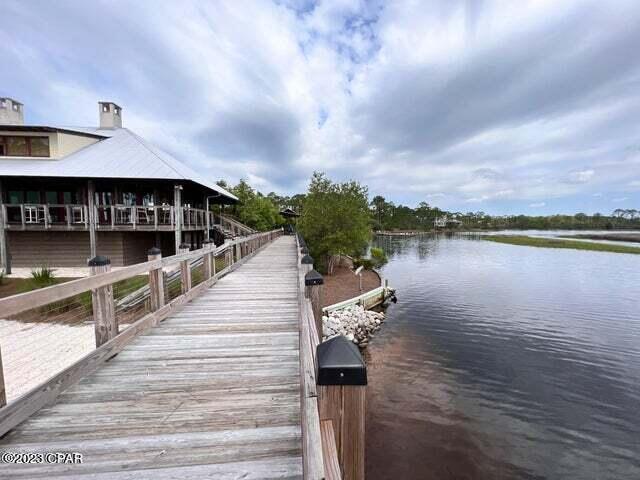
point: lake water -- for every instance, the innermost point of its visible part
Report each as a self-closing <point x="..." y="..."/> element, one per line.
<point x="505" y="362"/>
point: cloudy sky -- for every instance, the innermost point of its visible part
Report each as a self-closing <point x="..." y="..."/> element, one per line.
<point x="501" y="106"/>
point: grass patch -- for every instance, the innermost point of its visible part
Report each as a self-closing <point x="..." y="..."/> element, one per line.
<point x="525" y="241"/>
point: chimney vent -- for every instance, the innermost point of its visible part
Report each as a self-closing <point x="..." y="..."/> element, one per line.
<point x="110" y="115"/>
<point x="11" y="112"/>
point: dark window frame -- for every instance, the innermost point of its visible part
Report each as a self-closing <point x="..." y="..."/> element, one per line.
<point x="5" y="146"/>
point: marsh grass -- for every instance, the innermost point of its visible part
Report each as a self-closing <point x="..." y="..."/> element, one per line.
<point x="526" y="241"/>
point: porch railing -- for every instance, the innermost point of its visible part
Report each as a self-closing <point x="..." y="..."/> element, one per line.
<point x="36" y="214"/>
<point x="73" y="216"/>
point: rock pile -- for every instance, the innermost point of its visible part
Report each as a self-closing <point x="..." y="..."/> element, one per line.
<point x="355" y="323"/>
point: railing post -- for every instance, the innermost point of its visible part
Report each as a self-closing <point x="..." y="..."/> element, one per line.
<point x="156" y="281"/>
<point x="104" y="312"/>
<point x="307" y="264"/>
<point x="313" y="282"/>
<point x="206" y="259"/>
<point x="185" y="269"/>
<point x="238" y="252"/>
<point x="342" y="380"/>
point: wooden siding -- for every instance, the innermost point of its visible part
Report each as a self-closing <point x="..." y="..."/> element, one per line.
<point x="71" y="249"/>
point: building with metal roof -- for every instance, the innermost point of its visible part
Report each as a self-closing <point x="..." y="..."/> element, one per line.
<point x="69" y="193"/>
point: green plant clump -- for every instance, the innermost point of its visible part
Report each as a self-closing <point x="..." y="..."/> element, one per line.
<point x="367" y="263"/>
<point x="378" y="257"/>
<point x="558" y="243"/>
<point x="43" y="277"/>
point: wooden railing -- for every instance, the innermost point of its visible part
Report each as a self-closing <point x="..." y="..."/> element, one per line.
<point x="109" y="340"/>
<point x="332" y="390"/>
<point x="312" y="451"/>
<point x="46" y="215"/>
<point x="229" y="223"/>
<point x="107" y="217"/>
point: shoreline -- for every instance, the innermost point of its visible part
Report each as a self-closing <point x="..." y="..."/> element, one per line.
<point x="623" y="237"/>
<point x="538" y="242"/>
<point x="357" y="323"/>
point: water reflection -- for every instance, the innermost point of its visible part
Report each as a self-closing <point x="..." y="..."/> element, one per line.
<point x="502" y="361"/>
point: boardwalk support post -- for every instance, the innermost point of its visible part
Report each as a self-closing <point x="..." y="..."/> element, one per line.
<point x="313" y="282"/>
<point x="104" y="311"/>
<point x="206" y="259"/>
<point x="156" y="281"/>
<point x="185" y="269"/>
<point x="342" y="380"/>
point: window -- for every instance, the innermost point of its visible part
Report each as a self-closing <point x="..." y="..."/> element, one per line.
<point x="17" y="146"/>
<point x="24" y="146"/>
<point x="39" y="146"/>
<point x="129" y="199"/>
<point x="16" y="197"/>
<point x="33" y="196"/>
<point x="52" y="197"/>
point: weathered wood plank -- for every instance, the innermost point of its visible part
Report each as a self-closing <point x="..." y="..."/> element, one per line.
<point x="193" y="396"/>
<point x="329" y="451"/>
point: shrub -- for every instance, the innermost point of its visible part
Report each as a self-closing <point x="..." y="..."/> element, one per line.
<point x="367" y="263"/>
<point x="2" y="277"/>
<point x="42" y="277"/>
<point x="378" y="257"/>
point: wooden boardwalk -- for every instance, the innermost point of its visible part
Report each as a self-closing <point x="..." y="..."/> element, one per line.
<point x="213" y="391"/>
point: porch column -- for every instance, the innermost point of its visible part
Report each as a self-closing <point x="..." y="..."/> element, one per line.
<point x="91" y="190"/>
<point x="177" y="215"/>
<point x="5" y="264"/>
<point x="206" y="214"/>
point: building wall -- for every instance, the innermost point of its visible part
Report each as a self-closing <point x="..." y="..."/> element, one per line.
<point x="60" y="144"/>
<point x="71" y="249"/>
<point x="68" y="143"/>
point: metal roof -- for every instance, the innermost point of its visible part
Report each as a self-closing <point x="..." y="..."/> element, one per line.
<point x="41" y="128"/>
<point x="122" y="154"/>
<point x="289" y="212"/>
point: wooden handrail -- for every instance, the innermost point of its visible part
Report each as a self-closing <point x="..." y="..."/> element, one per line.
<point x="312" y="452"/>
<point x="36" y="298"/>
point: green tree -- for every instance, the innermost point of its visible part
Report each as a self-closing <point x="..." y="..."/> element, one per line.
<point x="335" y="219"/>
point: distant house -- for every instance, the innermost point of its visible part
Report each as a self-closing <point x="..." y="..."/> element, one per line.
<point x="69" y="193"/>
<point x="446" y="222"/>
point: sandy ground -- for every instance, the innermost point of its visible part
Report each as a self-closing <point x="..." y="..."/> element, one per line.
<point x="34" y="352"/>
<point x="343" y="285"/>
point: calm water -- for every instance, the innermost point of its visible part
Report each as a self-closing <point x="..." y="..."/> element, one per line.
<point x="501" y="361"/>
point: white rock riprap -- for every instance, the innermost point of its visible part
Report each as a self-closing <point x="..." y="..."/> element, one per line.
<point x="355" y="323"/>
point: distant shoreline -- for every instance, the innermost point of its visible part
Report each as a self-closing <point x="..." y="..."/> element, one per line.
<point x="613" y="237"/>
<point x="526" y="241"/>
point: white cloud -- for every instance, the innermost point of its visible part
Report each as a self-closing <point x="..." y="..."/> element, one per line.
<point x="537" y="205"/>
<point x="463" y="102"/>
<point x="580" y="176"/>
